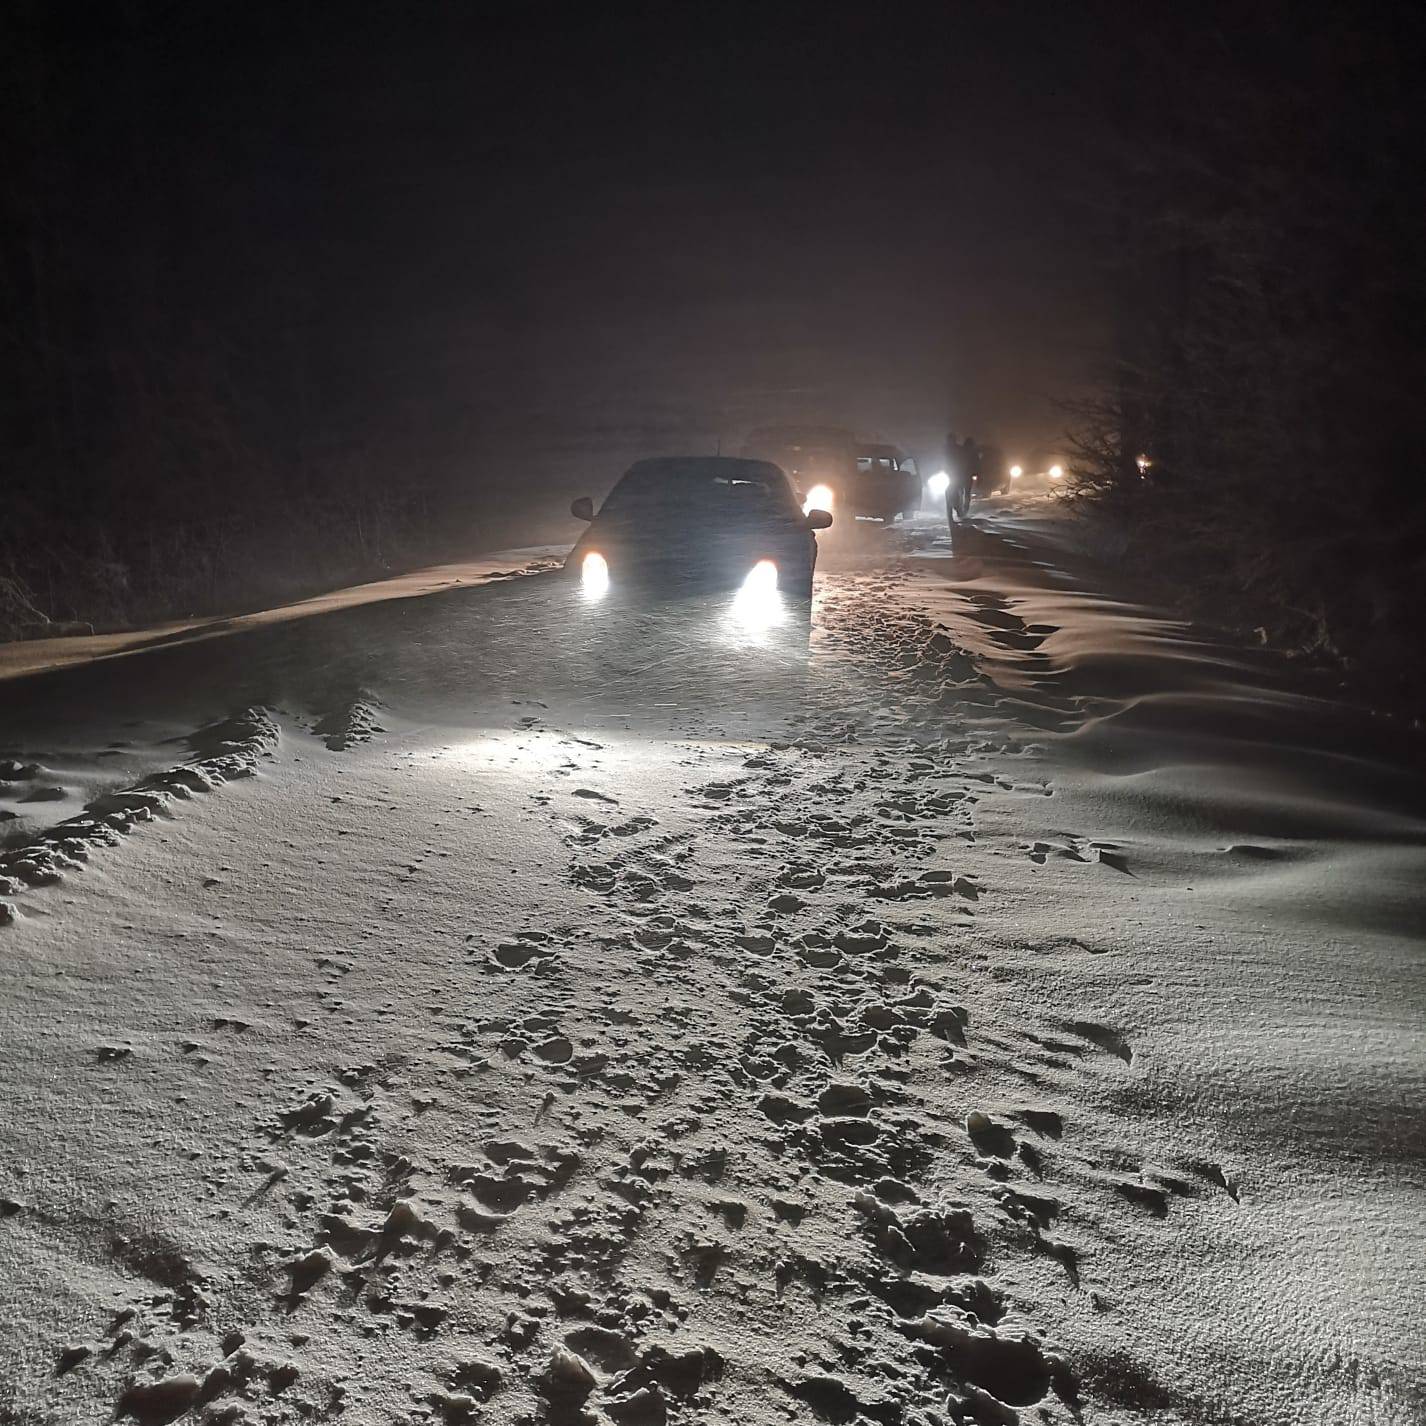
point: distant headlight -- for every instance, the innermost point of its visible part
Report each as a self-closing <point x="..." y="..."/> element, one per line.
<point x="1057" y="472"/>
<point x="818" y="498"/>
<point x="939" y="483"/>
<point x="1016" y="471"/>
<point x="594" y="574"/>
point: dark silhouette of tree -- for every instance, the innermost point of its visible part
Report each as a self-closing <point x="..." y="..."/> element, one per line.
<point x="1268" y="273"/>
<point x="184" y="419"/>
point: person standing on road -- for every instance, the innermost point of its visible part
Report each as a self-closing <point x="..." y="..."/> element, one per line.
<point x="971" y="462"/>
<point x="960" y="469"/>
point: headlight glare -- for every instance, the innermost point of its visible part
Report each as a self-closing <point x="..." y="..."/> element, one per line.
<point x="758" y="605"/>
<point x="594" y="574"/>
<point x="762" y="577"/>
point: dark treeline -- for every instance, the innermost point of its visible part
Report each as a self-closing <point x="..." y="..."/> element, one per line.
<point x="1268" y="273"/>
<point x="209" y="393"/>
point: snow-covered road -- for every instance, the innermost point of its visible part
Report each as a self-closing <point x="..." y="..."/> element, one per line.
<point x="1004" y="1005"/>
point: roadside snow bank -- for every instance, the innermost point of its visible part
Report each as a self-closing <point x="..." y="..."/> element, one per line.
<point x="222" y="751"/>
<point x="27" y="657"/>
<point x="1236" y="862"/>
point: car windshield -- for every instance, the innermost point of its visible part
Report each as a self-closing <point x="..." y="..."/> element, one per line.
<point x="710" y="489"/>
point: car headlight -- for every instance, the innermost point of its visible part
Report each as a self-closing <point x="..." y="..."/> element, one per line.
<point x="818" y="498"/>
<point x="939" y="484"/>
<point x="1016" y="471"/>
<point x="762" y="577"/>
<point x="594" y="574"/>
<point x="1057" y="472"/>
<point x="758" y="604"/>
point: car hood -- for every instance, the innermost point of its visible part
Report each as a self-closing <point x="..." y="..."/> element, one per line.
<point x="685" y="555"/>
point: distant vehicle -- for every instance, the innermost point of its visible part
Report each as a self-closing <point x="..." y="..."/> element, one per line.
<point x="833" y="470"/>
<point x="1043" y="468"/>
<point x="698" y="523"/>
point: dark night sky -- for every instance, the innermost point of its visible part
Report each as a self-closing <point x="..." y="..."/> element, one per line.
<point x="634" y="231"/>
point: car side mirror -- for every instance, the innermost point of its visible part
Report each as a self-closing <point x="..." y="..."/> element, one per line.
<point x="818" y="519"/>
<point x="582" y="509"/>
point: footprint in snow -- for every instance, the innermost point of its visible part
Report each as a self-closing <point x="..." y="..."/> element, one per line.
<point x="1155" y="1200"/>
<point x="1101" y="1035"/>
<point x="1043" y="1122"/>
<point x="594" y="796"/>
<point x="514" y="954"/>
<point x="991" y="1139"/>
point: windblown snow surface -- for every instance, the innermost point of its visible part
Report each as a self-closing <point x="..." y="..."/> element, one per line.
<point x="1004" y="1004"/>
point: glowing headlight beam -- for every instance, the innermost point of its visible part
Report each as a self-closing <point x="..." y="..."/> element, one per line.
<point x="594" y="575"/>
<point x="1016" y="471"/>
<point x="818" y="498"/>
<point x="762" y="577"/>
<point x="1057" y="472"/>
<point x="939" y="484"/>
<point x="758" y="605"/>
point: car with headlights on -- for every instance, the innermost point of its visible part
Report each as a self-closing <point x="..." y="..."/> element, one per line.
<point x="833" y="469"/>
<point x="1042" y="470"/>
<point x="691" y="524"/>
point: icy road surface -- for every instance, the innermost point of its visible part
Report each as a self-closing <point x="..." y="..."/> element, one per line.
<point x="1004" y="1004"/>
